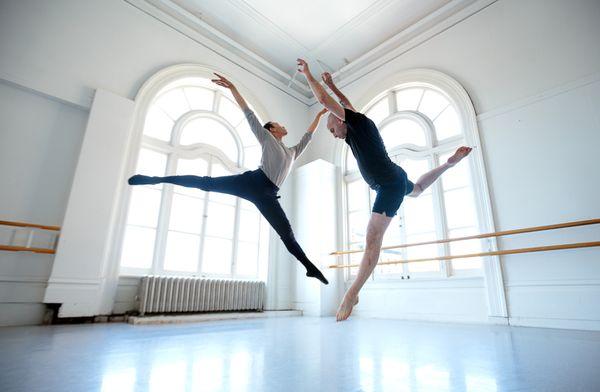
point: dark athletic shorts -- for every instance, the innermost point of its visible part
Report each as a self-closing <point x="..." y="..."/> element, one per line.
<point x="390" y="196"/>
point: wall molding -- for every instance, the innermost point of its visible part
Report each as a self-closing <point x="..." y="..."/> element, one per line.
<point x="205" y="35"/>
<point x="559" y="323"/>
<point x="553" y="282"/>
<point x="547" y="94"/>
<point x="428" y="317"/>
<point x="421" y="31"/>
<point x="23" y="279"/>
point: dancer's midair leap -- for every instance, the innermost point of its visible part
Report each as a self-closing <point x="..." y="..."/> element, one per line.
<point x="386" y="178"/>
<point x="258" y="186"/>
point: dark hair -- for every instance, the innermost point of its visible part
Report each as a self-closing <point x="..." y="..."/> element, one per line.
<point x="268" y="125"/>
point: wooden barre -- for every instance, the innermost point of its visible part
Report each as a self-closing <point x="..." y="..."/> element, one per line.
<point x="33" y="225"/>
<point x="479" y="236"/>
<point x="10" y="248"/>
<point x="493" y="253"/>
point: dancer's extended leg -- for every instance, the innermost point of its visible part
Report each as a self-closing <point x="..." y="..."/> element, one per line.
<point x="233" y="185"/>
<point x="376" y="228"/>
<point x="272" y="211"/>
<point x="429" y="178"/>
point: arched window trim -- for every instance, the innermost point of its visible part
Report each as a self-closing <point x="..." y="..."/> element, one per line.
<point x="190" y="116"/>
<point x="457" y="95"/>
<point x="147" y="94"/>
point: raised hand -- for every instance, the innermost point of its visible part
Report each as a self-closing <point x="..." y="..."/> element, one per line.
<point x="327" y="79"/>
<point x="303" y="67"/>
<point x="322" y="112"/>
<point x="223" y="82"/>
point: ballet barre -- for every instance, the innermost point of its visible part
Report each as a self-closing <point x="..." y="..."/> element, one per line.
<point x="28" y="247"/>
<point x="480" y="236"/>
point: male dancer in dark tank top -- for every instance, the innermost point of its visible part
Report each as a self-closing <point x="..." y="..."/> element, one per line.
<point x="387" y="179"/>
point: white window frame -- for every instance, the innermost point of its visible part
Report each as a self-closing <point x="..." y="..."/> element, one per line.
<point x="458" y="97"/>
<point x="144" y="99"/>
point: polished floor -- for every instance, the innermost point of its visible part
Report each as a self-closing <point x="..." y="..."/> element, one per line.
<point x="298" y="354"/>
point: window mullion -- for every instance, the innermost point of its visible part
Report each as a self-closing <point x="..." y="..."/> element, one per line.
<point x="441" y="226"/>
<point x="236" y="229"/>
<point x="204" y="221"/>
<point x="162" y="229"/>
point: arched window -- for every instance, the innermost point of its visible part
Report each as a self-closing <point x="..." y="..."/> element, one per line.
<point x="189" y="126"/>
<point x="422" y="123"/>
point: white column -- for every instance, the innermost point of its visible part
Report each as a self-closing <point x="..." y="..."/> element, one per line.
<point x="315" y="226"/>
<point x="84" y="278"/>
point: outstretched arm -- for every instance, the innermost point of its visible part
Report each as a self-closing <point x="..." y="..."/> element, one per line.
<point x="328" y="80"/>
<point x="224" y="82"/>
<point x="298" y="148"/>
<point x="320" y="93"/>
<point x="257" y="129"/>
<point x="315" y="123"/>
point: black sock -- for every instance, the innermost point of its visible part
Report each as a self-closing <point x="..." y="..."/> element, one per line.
<point x="313" y="272"/>
<point x="139" y="179"/>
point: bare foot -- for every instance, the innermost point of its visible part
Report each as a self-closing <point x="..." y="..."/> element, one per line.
<point x="460" y="153"/>
<point x="346" y="306"/>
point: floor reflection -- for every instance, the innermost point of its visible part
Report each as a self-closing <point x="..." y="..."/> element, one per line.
<point x="298" y="354"/>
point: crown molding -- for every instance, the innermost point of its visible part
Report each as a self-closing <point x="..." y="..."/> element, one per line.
<point x="199" y="31"/>
<point x="196" y="29"/>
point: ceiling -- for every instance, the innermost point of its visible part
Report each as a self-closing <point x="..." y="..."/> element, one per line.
<point x="332" y="35"/>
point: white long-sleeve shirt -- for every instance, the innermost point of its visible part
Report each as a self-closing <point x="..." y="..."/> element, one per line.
<point x="277" y="159"/>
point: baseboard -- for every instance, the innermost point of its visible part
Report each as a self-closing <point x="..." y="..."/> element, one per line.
<point x="196" y="318"/>
<point x="441" y="318"/>
<point x="585" y="325"/>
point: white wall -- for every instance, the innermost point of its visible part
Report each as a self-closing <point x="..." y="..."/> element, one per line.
<point x="532" y="70"/>
<point x="39" y="145"/>
<point x="66" y="50"/>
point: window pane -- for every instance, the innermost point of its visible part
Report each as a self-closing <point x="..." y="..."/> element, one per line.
<point x="216" y="258"/>
<point x="390" y="255"/>
<point x="418" y="215"/>
<point x="408" y="99"/>
<point x="247" y="257"/>
<point x="432" y="104"/>
<point x="465" y="247"/>
<point x="211" y="132"/>
<point x="355" y="258"/>
<point x="422" y="252"/>
<point x="230" y="111"/>
<point x="186" y="214"/>
<point x="151" y="163"/>
<point x="158" y="124"/>
<point x="218" y="170"/>
<point x="173" y="103"/>
<point x="460" y="208"/>
<point x="414" y="169"/>
<point x="447" y="124"/>
<point x="195" y="167"/>
<point x="144" y="206"/>
<point x="379" y="111"/>
<point x="457" y="177"/>
<point x="138" y="247"/>
<point x="182" y="252"/>
<point x="357" y="195"/>
<point x="252" y="156"/>
<point x="403" y="131"/>
<point x="220" y="220"/>
<point x="199" y="98"/>
<point x="245" y="134"/>
<point x="351" y="164"/>
<point x="249" y="228"/>
<point x="357" y="226"/>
